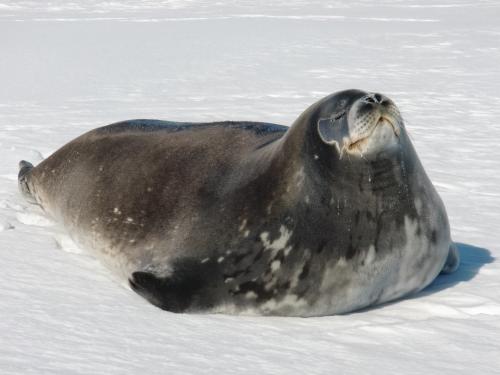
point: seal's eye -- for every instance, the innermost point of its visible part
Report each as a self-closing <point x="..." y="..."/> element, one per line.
<point x="338" y="115"/>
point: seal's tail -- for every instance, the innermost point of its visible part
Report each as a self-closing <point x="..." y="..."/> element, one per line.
<point x="25" y="168"/>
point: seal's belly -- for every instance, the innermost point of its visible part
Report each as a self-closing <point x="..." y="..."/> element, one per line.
<point x="370" y="279"/>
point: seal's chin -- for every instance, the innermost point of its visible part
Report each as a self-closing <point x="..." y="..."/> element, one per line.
<point x="383" y="135"/>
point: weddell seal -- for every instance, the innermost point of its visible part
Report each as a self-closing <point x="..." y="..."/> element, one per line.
<point x="330" y="215"/>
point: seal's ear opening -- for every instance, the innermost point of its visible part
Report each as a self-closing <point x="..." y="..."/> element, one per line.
<point x="331" y="132"/>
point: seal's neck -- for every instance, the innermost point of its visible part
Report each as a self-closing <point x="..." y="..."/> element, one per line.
<point x="302" y="155"/>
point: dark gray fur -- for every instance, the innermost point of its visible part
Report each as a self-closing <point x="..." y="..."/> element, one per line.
<point x="194" y="189"/>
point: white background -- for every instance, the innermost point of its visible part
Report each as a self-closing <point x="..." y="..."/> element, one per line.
<point x="69" y="66"/>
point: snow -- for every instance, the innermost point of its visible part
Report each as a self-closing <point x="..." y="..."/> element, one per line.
<point x="68" y="67"/>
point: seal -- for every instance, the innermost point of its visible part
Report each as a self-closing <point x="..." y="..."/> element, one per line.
<point x="332" y="214"/>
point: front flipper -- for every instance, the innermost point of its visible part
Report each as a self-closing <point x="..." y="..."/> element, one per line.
<point x="162" y="291"/>
<point x="188" y="287"/>
<point x="452" y="261"/>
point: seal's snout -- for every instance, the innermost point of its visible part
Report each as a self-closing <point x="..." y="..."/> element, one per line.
<point x="377" y="98"/>
<point x="374" y="123"/>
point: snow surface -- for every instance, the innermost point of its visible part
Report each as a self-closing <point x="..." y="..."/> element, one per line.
<point x="69" y="66"/>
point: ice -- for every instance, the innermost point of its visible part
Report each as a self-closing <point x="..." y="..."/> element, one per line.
<point x="67" y="67"/>
<point x="30" y="218"/>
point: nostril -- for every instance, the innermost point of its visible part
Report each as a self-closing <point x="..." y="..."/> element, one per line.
<point x="377" y="98"/>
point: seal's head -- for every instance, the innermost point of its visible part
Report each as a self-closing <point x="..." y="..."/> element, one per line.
<point x="359" y="123"/>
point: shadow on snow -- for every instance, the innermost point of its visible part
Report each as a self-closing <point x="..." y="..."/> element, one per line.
<point x="472" y="258"/>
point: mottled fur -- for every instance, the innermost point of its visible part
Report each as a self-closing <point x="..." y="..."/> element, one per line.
<point x="244" y="217"/>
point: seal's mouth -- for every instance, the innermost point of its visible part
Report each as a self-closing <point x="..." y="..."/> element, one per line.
<point x="360" y="144"/>
<point x="373" y="125"/>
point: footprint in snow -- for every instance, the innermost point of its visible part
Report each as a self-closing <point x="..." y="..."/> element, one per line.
<point x="5" y="225"/>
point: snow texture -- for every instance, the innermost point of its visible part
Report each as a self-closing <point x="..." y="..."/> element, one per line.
<point x="68" y="67"/>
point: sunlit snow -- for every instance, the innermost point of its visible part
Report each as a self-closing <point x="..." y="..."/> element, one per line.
<point x="68" y="67"/>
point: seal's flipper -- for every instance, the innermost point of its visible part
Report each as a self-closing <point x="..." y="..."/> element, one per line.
<point x="25" y="168"/>
<point x="452" y="261"/>
<point x="175" y="293"/>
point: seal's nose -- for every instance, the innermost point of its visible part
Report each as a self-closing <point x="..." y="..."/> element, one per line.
<point x="376" y="98"/>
